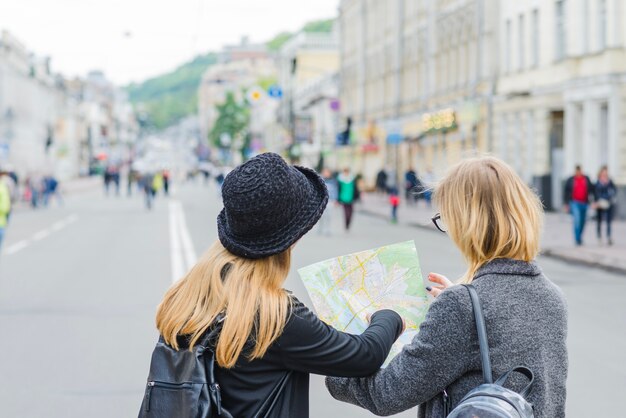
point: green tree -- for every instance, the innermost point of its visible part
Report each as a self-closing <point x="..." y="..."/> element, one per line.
<point x="232" y="121"/>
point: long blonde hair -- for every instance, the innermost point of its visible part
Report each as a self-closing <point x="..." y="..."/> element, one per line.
<point x="489" y="212"/>
<point x="248" y="291"/>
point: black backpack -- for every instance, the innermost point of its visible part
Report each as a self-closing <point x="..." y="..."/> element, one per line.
<point x="491" y="399"/>
<point x="181" y="384"/>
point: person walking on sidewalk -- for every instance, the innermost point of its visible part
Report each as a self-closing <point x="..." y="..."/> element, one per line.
<point x="495" y="220"/>
<point x="605" y="199"/>
<point x="264" y="335"/>
<point x="381" y="181"/>
<point x="5" y="205"/>
<point x="394" y="201"/>
<point x="578" y="195"/>
<point x="325" y="224"/>
<point x="348" y="191"/>
<point x="412" y="187"/>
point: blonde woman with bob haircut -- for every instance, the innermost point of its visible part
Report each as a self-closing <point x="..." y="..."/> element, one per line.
<point x="267" y="341"/>
<point x="495" y="220"/>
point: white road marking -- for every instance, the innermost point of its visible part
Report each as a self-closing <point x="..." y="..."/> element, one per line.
<point x="18" y="246"/>
<point x="57" y="226"/>
<point x="182" y="252"/>
<point x="42" y="234"/>
<point x="38" y="236"/>
<point x="188" y="251"/>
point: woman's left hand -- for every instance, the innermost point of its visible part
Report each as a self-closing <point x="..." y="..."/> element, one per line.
<point x="442" y="284"/>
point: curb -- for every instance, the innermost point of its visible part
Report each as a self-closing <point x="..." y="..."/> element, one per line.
<point x="550" y="253"/>
<point x="557" y="255"/>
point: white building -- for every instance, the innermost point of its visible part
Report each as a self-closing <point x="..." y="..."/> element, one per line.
<point x="27" y="108"/>
<point x="561" y="91"/>
<point x="53" y="126"/>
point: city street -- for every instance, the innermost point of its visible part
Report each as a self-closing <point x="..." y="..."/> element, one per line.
<point x="79" y="285"/>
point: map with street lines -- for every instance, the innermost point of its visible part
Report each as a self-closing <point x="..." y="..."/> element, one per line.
<point x="345" y="289"/>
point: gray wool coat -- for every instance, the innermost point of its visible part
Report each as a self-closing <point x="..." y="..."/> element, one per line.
<point x="526" y="320"/>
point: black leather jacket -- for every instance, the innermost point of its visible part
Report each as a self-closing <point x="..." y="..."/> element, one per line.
<point x="307" y="345"/>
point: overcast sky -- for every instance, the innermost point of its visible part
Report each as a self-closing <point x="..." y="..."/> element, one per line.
<point x="131" y="40"/>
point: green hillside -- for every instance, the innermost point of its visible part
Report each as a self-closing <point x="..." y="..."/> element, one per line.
<point x="170" y="97"/>
<point x="316" y="26"/>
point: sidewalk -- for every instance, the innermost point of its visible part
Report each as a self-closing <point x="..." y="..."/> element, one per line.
<point x="557" y="239"/>
<point x="67" y="188"/>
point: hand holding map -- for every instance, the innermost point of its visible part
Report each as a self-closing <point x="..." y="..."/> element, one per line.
<point x="345" y="289"/>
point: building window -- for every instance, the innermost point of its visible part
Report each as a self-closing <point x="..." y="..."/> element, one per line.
<point x="602" y="29"/>
<point x="507" y="46"/>
<point x="560" y="45"/>
<point x="535" y="38"/>
<point x="520" y="41"/>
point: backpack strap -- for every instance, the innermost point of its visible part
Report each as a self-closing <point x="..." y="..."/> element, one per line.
<point x="266" y="408"/>
<point x="520" y="369"/>
<point x="482" y="334"/>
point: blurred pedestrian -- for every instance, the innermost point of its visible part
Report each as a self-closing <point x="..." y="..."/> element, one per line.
<point x="130" y="179"/>
<point x="219" y="179"/>
<point x="112" y="176"/>
<point x="264" y="340"/>
<point x="381" y="181"/>
<point x="394" y="201"/>
<point x="411" y="187"/>
<point x="10" y="179"/>
<point x="5" y="205"/>
<point x="145" y="182"/>
<point x="428" y="181"/>
<point x="157" y="183"/>
<point x="325" y="224"/>
<point x="578" y="194"/>
<point x="33" y="190"/>
<point x="51" y="190"/>
<point x="605" y="200"/>
<point x="166" y="182"/>
<point x="347" y="194"/>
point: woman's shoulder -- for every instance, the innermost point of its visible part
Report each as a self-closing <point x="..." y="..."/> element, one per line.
<point x="298" y="311"/>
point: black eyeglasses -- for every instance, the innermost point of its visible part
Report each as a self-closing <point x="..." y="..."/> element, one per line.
<point x="439" y="223"/>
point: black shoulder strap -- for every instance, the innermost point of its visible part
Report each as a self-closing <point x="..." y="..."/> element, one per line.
<point x="482" y="334"/>
<point x="266" y="409"/>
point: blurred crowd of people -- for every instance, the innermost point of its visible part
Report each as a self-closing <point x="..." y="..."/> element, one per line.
<point x="35" y="190"/>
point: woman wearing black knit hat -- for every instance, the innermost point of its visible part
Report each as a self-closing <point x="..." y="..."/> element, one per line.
<point x="267" y="341"/>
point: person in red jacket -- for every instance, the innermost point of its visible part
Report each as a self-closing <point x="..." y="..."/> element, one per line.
<point x="578" y="194"/>
<point x="394" y="201"/>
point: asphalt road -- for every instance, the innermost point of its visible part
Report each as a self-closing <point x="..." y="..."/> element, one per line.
<point x="79" y="285"/>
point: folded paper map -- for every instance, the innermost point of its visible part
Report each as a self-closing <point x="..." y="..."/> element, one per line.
<point x="344" y="290"/>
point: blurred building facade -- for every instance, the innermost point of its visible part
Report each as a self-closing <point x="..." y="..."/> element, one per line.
<point x="417" y="79"/>
<point x="27" y="108"/>
<point x="561" y="91"/>
<point x="50" y="125"/>
<point x="308" y="66"/>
